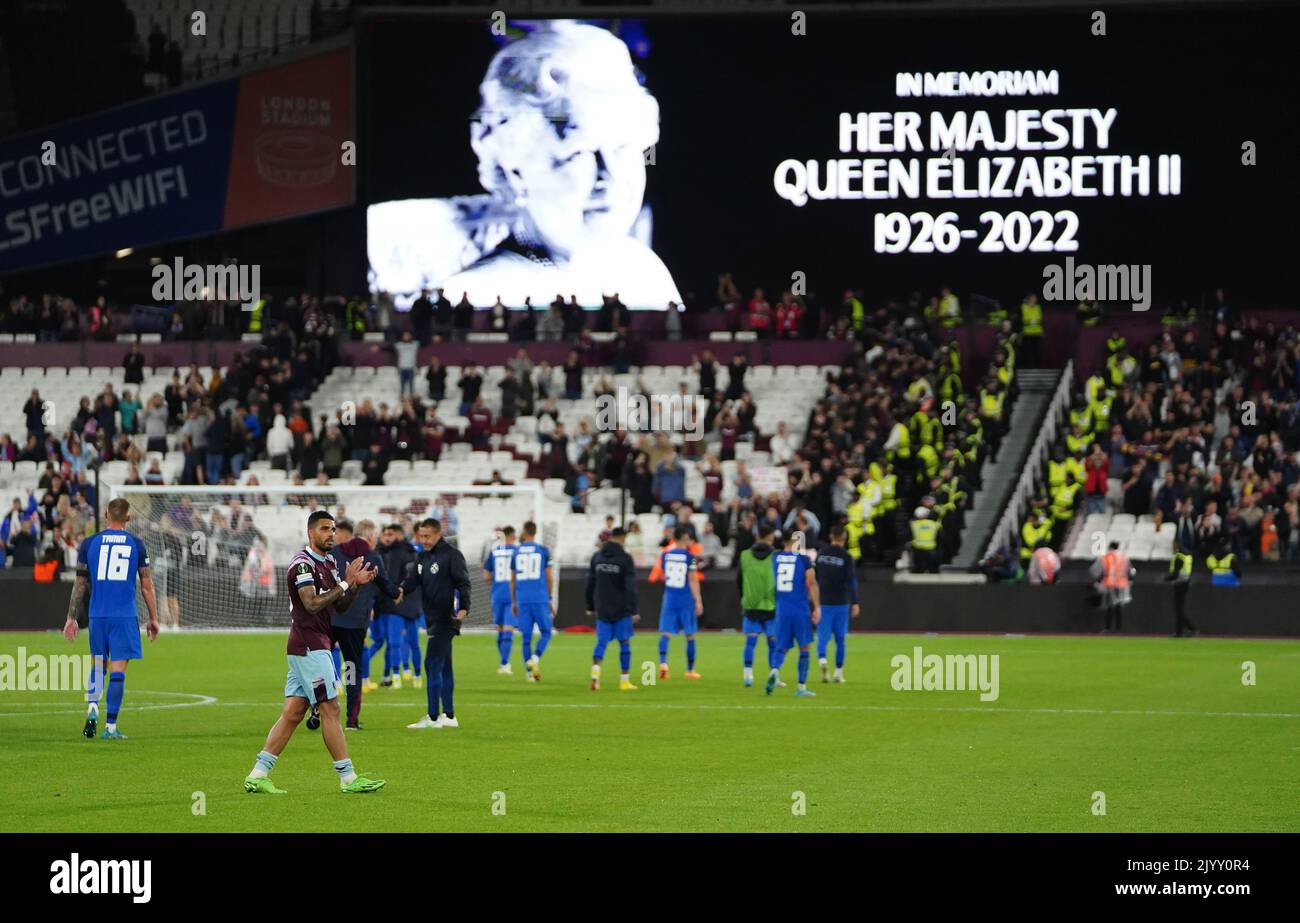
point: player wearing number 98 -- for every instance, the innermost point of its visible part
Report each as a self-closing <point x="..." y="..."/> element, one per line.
<point x="797" y="612"/>
<point x="107" y="565"/>
<point x="532" y="597"/>
<point x="497" y="568"/>
<point x="682" y="605"/>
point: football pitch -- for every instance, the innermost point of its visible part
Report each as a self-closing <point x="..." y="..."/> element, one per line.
<point x="1162" y="734"/>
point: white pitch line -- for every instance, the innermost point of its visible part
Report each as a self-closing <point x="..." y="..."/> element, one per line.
<point x="201" y="700"/>
<point x="983" y="710"/>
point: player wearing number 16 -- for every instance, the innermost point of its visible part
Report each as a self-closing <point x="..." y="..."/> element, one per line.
<point x="108" y="565"/>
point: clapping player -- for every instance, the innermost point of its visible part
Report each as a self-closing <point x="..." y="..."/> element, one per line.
<point x="315" y="593"/>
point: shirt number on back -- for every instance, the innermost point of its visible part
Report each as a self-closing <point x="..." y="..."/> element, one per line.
<point x="114" y="562"/>
<point x="675" y="574"/>
<point x="528" y="566"/>
<point x="501" y="570"/>
<point x="785" y="576"/>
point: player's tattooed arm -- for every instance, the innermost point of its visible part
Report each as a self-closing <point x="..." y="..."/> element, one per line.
<point x="314" y="602"/>
<point x="74" y="603"/>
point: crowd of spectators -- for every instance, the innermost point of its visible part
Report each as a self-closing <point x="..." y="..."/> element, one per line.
<point x="1198" y="431"/>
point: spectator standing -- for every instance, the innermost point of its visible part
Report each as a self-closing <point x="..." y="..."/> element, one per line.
<point x="133" y="366"/>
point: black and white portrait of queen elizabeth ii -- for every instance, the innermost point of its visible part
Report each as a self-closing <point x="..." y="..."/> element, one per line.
<point x="560" y="136"/>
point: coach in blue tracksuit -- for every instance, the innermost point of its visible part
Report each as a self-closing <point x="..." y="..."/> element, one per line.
<point x="443" y="581"/>
<point x="349" y="626"/>
<point x="611" y="597"/>
<point x="837" y="585"/>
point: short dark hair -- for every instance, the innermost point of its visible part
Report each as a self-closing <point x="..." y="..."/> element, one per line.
<point x="530" y="528"/>
<point x="318" y="516"/>
<point x="430" y="523"/>
<point x="838" y="532"/>
<point x="765" y="529"/>
<point x="680" y="532"/>
<point x="118" y="509"/>
<point x="617" y="532"/>
<point x="345" y="525"/>
<point x="507" y="530"/>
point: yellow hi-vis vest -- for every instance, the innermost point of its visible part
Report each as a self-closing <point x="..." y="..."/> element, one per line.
<point x="1220" y="566"/>
<point x="925" y="534"/>
<point x="991" y="405"/>
<point x="1031" y="319"/>
<point x="854" y="529"/>
<point x="1058" y="472"/>
<point x="904" y="447"/>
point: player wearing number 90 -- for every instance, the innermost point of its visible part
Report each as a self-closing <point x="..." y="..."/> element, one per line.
<point x="796" y="613"/>
<point x="107" y="565"/>
<point x="682" y="605"/>
<point x="532" y="597"/>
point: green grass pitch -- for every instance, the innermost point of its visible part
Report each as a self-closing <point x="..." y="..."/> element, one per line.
<point x="1165" y="729"/>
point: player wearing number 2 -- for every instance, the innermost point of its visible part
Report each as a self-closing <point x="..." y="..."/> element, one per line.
<point x="682" y="605"/>
<point x="797" y="612"/>
<point x="108" y="565"/>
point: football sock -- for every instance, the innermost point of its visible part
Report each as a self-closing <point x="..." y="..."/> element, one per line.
<point x="690" y="655"/>
<point x="595" y="671"/>
<point x="803" y="667"/>
<point x="839" y="655"/>
<point x="116" y="690"/>
<point x="507" y="642"/>
<point x="751" y="642"/>
<point x="346" y="773"/>
<point x="663" y="648"/>
<point x="265" y="763"/>
<point x="598" y="652"/>
<point x="447" y="687"/>
<point x="625" y="657"/>
<point x="544" y="640"/>
<point x="528" y="647"/>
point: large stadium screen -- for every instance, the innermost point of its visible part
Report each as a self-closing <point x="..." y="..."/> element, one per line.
<point x="645" y="158"/>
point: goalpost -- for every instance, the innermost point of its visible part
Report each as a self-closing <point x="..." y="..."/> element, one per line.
<point x="219" y="554"/>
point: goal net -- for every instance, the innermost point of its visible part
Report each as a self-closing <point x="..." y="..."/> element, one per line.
<point x="218" y="554"/>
